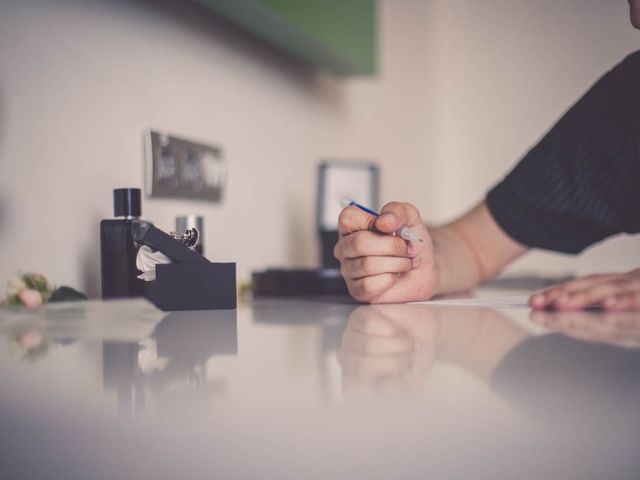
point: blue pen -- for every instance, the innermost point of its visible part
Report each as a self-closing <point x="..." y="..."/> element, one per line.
<point x="404" y="233"/>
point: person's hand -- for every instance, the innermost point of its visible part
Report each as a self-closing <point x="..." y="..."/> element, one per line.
<point x="612" y="291"/>
<point x="387" y="350"/>
<point x="618" y="328"/>
<point x="380" y="267"/>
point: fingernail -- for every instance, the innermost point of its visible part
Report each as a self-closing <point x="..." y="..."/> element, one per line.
<point x="412" y="249"/>
<point x="387" y="218"/>
<point x="415" y="262"/>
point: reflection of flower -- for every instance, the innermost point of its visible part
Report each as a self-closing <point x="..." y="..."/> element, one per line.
<point x="31" y="339"/>
<point x="30" y="343"/>
<point x="33" y="289"/>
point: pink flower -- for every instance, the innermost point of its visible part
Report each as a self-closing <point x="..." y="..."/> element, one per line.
<point x="30" y="298"/>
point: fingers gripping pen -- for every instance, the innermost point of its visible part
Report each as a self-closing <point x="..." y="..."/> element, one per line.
<point x="404" y="233"/>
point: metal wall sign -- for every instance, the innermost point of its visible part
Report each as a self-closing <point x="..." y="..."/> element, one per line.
<point x="179" y="168"/>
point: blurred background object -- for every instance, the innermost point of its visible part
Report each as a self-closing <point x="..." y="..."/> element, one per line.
<point x="334" y="35"/>
<point x="182" y="169"/>
<point x="340" y="182"/>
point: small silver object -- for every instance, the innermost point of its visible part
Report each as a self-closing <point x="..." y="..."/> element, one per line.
<point x="188" y="238"/>
<point x="185" y="222"/>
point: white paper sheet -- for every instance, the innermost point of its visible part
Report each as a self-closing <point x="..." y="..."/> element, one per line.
<point x="502" y="301"/>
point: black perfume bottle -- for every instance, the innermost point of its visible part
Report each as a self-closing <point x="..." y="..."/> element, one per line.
<point x="118" y="249"/>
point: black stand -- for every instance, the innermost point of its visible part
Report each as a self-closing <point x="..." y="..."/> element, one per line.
<point x="195" y="286"/>
<point x="193" y="282"/>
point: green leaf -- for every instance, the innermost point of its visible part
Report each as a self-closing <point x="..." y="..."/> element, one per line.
<point x="28" y="281"/>
<point x="14" y="301"/>
<point x="41" y="285"/>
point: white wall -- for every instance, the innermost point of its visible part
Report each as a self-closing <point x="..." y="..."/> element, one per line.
<point x="465" y="88"/>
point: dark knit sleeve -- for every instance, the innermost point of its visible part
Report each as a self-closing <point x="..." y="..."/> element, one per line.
<point x="581" y="182"/>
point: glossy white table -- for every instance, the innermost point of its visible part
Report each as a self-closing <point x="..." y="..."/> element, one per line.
<point x="305" y="389"/>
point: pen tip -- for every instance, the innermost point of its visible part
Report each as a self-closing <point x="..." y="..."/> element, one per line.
<point x="346" y="202"/>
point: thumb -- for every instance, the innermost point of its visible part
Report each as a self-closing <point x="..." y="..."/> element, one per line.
<point x="395" y="215"/>
<point x="352" y="219"/>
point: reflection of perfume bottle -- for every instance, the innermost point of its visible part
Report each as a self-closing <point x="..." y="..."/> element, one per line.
<point x="118" y="248"/>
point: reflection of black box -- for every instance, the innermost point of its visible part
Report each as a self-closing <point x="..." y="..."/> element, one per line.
<point x="190" y="338"/>
<point x="195" y="286"/>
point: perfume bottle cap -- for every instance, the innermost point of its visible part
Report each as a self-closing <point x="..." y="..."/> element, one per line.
<point x="126" y="202"/>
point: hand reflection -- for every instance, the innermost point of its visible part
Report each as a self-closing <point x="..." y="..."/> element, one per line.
<point x="387" y="349"/>
<point x="621" y="328"/>
<point x="392" y="348"/>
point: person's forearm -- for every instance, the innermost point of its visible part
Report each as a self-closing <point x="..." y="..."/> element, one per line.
<point x="470" y="250"/>
<point x="457" y="267"/>
<point x="479" y="341"/>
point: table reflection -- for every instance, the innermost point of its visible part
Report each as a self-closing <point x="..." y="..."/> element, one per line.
<point x="177" y="355"/>
<point x="33" y="334"/>
<point x="557" y="378"/>
<point x="391" y="349"/>
<point x="29" y="343"/>
<point x="618" y="328"/>
<point x="381" y="390"/>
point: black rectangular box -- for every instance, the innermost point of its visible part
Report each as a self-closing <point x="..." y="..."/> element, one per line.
<point x="194" y="286"/>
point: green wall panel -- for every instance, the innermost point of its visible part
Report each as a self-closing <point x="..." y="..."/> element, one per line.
<point x="335" y="35"/>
